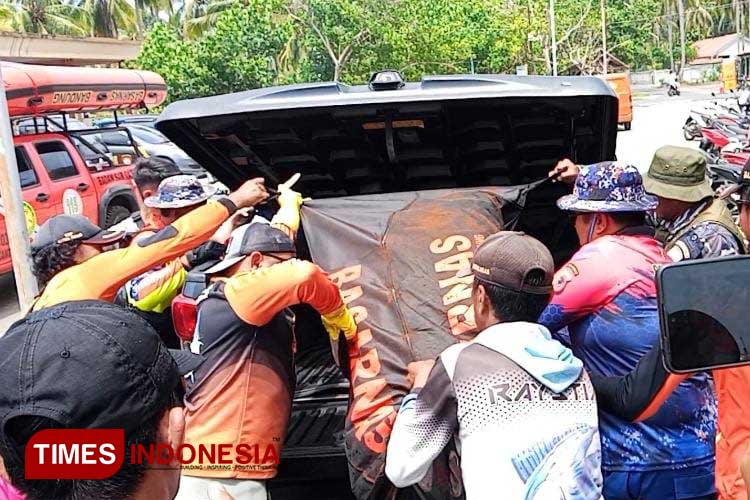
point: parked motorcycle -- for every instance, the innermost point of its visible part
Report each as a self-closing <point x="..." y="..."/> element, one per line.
<point x="743" y="97"/>
<point x="723" y="127"/>
<point x="694" y="124"/>
<point x="723" y="174"/>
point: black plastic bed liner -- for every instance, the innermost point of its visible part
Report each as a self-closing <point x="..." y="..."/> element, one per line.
<point x="313" y="461"/>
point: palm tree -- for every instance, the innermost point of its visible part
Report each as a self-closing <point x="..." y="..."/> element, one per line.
<point x="198" y="16"/>
<point x="151" y="7"/>
<point x="698" y="14"/>
<point x="44" y="17"/>
<point x="110" y="18"/>
<point x="701" y="14"/>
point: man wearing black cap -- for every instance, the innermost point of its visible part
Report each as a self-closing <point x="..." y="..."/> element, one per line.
<point x="243" y="392"/>
<point x="73" y="262"/>
<point x="91" y="365"/>
<point x="520" y="403"/>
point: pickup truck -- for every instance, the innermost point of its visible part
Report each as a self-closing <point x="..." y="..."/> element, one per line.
<point x="364" y="151"/>
<point x="63" y="166"/>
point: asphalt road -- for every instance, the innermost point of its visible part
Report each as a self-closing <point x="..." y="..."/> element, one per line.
<point x="657" y="121"/>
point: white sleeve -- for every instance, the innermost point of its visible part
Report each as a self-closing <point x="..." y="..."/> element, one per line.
<point x="425" y="423"/>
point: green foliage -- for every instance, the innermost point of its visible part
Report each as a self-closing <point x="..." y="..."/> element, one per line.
<point x="218" y="46"/>
<point x="44" y="17"/>
<point x="444" y="36"/>
<point x="632" y="37"/>
<point x="237" y="54"/>
<point x="165" y="52"/>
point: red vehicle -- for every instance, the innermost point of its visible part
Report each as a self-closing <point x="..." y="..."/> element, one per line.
<point x="64" y="166"/>
<point x="736" y="157"/>
<point x="715" y="138"/>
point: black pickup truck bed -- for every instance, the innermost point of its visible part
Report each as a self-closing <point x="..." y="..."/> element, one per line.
<point x="443" y="132"/>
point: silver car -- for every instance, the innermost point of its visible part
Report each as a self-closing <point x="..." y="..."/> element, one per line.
<point x="155" y="144"/>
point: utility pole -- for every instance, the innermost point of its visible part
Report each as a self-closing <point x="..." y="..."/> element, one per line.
<point x="669" y="38"/>
<point x="738" y="24"/>
<point x="604" y="36"/>
<point x="681" y="21"/>
<point x="15" y="219"/>
<point x="529" y="48"/>
<point x="553" y="32"/>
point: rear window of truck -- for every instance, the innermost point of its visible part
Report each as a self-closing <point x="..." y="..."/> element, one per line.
<point x="56" y="160"/>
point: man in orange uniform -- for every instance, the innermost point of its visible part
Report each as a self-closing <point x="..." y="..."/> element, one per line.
<point x="72" y="259"/>
<point x="148" y="173"/>
<point x="151" y="293"/>
<point x="241" y="396"/>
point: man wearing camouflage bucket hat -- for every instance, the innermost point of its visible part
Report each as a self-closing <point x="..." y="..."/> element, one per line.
<point x="150" y="294"/>
<point x="77" y="267"/>
<point x="638" y="395"/>
<point x="605" y="297"/>
<point x="689" y="221"/>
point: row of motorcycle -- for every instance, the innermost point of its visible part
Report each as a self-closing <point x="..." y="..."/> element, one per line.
<point x="723" y="128"/>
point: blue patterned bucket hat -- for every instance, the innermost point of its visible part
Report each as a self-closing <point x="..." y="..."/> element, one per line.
<point x="180" y="191"/>
<point x="608" y="187"/>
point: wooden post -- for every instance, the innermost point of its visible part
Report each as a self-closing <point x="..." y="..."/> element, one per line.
<point x="15" y="219"/>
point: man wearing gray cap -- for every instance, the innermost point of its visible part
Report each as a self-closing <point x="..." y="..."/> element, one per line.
<point x="243" y="392"/>
<point x="520" y="403"/>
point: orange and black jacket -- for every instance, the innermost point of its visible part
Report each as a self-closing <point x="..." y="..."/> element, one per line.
<point x="241" y="396"/>
<point x="101" y="276"/>
<point x="638" y="395"/>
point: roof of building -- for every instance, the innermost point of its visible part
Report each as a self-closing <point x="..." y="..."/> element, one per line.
<point x="710" y="50"/>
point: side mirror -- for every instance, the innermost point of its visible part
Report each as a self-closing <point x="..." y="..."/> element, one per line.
<point x="703" y="313"/>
